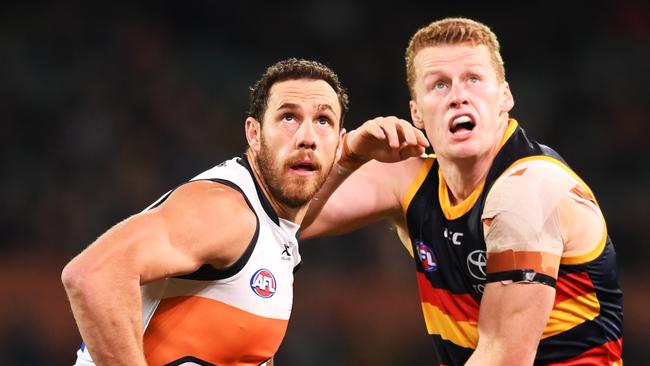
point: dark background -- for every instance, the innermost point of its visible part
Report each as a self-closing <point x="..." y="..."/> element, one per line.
<point x="105" y="106"/>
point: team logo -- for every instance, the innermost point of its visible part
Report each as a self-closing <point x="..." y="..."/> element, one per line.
<point x="476" y="262"/>
<point x="263" y="283"/>
<point x="427" y="258"/>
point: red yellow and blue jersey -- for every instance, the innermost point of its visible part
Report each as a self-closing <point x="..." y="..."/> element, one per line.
<point x="453" y="264"/>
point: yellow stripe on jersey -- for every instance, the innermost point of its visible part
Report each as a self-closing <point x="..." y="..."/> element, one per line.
<point x="416" y="183"/>
<point x="450" y="211"/>
<point x="462" y="333"/>
<point x="591" y="255"/>
<point x="512" y="126"/>
<point x="570" y="313"/>
<point x="403" y="235"/>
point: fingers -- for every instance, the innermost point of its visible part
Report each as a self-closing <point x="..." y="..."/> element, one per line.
<point x="391" y="127"/>
<point x="400" y="133"/>
<point x="411" y="152"/>
<point x="421" y="139"/>
<point x="387" y="139"/>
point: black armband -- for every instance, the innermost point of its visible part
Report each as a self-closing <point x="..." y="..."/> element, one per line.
<point x="522" y="275"/>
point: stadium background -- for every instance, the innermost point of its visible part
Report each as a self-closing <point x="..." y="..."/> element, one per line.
<point x="105" y="105"/>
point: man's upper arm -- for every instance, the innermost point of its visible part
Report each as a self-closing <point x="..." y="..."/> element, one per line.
<point x="524" y="244"/>
<point x="200" y="222"/>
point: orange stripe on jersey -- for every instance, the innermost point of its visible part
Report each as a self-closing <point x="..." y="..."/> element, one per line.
<point x="195" y="326"/>
<point x="509" y="260"/>
<point x="606" y="354"/>
<point x="459" y="307"/>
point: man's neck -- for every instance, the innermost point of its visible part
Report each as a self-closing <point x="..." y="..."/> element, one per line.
<point x="294" y="215"/>
<point x="463" y="176"/>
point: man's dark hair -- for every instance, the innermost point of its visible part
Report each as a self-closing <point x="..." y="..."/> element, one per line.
<point x="293" y="69"/>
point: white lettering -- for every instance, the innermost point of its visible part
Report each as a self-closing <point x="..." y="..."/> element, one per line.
<point x="455" y="238"/>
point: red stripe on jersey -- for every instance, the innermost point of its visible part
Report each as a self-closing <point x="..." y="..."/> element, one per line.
<point x="461" y="307"/>
<point x="605" y="354"/>
<point x="572" y="285"/>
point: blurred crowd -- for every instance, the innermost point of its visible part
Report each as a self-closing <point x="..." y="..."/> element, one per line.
<point x="106" y="106"/>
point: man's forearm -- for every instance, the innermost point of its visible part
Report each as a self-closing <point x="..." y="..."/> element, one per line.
<point x="109" y="318"/>
<point x="336" y="177"/>
<point x="347" y="163"/>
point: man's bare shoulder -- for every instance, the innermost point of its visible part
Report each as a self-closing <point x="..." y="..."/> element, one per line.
<point x="206" y="194"/>
<point x="196" y="211"/>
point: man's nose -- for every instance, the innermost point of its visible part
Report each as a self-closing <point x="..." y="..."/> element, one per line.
<point x="305" y="136"/>
<point x="457" y="95"/>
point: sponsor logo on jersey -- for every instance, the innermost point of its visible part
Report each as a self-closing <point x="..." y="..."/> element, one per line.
<point x="263" y="283"/>
<point x="476" y="263"/>
<point x="454" y="238"/>
<point x="427" y="258"/>
<point x="286" y="254"/>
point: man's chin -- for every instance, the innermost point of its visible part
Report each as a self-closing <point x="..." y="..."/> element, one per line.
<point x="297" y="195"/>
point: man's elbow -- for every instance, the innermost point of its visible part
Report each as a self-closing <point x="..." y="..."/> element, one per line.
<point x="76" y="275"/>
<point x="72" y="276"/>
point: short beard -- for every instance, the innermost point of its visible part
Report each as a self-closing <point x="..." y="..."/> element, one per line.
<point x="293" y="193"/>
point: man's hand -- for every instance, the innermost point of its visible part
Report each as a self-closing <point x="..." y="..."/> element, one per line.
<point x="386" y="139"/>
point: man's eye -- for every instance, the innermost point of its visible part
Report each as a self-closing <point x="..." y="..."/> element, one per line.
<point x="288" y="117"/>
<point x="323" y="121"/>
<point x="439" y="85"/>
<point x="473" y="79"/>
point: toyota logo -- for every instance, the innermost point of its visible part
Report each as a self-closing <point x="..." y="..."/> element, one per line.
<point x="476" y="262"/>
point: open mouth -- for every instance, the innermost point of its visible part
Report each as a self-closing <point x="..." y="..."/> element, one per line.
<point x="304" y="167"/>
<point x="462" y="123"/>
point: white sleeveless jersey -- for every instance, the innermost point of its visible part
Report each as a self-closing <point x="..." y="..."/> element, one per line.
<point x="235" y="316"/>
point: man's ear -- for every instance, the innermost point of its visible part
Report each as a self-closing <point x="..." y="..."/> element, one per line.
<point x="507" y="100"/>
<point x="339" y="148"/>
<point x="416" y="117"/>
<point x="253" y="133"/>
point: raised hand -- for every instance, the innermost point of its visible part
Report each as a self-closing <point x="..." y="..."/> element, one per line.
<point x="386" y="139"/>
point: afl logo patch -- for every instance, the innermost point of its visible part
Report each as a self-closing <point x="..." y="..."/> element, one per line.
<point x="263" y="283"/>
<point x="427" y="258"/>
